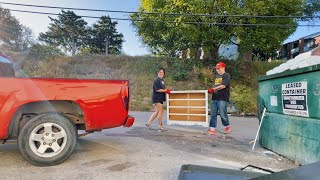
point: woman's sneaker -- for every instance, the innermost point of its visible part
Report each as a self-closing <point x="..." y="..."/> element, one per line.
<point x="148" y="126"/>
<point x="227" y="129"/>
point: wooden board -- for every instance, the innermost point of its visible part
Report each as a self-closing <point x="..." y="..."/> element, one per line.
<point x="188" y="110"/>
<point x="187" y="118"/>
<point x="188" y="96"/>
<point x="187" y="103"/>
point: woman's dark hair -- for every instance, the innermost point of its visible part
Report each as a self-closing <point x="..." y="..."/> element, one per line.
<point x="164" y="71"/>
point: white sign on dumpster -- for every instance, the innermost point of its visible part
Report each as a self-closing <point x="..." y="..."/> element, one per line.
<point x="294" y="98"/>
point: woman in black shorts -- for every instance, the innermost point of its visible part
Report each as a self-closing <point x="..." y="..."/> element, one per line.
<point x="158" y="97"/>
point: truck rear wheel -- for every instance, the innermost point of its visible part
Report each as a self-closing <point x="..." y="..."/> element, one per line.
<point x="47" y="139"/>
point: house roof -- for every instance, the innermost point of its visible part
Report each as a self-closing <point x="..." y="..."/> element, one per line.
<point x="311" y="35"/>
<point x="305" y="37"/>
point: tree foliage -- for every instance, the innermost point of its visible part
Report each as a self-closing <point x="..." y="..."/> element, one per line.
<point x="168" y="38"/>
<point x="311" y="8"/>
<point x="13" y="35"/>
<point x="68" y="31"/>
<point x="105" y="38"/>
<point x="43" y="51"/>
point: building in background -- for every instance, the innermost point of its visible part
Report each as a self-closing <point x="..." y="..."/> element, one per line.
<point x="292" y="49"/>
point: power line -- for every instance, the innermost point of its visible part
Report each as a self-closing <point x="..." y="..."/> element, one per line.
<point x="156" y="13"/>
<point x="165" y="21"/>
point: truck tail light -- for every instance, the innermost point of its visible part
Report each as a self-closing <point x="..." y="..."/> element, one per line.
<point x="125" y="96"/>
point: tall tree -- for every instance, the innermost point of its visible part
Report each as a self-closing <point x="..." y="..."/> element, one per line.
<point x="267" y="38"/>
<point x="26" y="40"/>
<point x="160" y="37"/>
<point x="311" y="8"/>
<point x="10" y="29"/>
<point x="69" y="31"/>
<point x="179" y="35"/>
<point x="13" y="35"/>
<point x="105" y="38"/>
<point x="216" y="30"/>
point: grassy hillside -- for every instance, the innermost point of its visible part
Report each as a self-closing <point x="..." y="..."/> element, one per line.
<point x="182" y="74"/>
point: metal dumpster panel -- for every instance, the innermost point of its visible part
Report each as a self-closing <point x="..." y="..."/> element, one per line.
<point x="294" y="137"/>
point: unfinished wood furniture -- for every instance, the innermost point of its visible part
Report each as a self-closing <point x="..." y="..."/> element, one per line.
<point x="188" y="108"/>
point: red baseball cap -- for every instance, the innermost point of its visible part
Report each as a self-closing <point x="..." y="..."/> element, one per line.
<point x="220" y="65"/>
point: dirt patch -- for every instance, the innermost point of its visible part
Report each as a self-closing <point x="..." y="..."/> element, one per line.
<point x="121" y="166"/>
<point x="97" y="162"/>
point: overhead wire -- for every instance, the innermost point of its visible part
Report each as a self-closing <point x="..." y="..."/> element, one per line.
<point x="178" y="22"/>
<point x="158" y="13"/>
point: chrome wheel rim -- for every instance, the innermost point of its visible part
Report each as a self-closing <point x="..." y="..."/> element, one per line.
<point x="48" y="140"/>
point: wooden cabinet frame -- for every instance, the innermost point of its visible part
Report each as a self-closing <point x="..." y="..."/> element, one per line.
<point x="188" y="108"/>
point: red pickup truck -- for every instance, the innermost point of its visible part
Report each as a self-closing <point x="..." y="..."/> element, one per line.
<point x="45" y="114"/>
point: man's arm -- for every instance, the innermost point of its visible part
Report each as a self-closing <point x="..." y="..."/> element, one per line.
<point x="225" y="82"/>
<point x="220" y="87"/>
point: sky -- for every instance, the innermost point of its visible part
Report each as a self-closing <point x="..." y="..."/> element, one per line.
<point x="39" y="23"/>
<point x="132" y="45"/>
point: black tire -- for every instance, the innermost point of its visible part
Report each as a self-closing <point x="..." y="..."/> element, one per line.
<point x="70" y="140"/>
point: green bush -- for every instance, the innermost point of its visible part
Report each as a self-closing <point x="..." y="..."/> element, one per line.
<point x="180" y="75"/>
<point x="40" y="52"/>
<point x="245" y="99"/>
<point x="181" y="68"/>
<point x="207" y="77"/>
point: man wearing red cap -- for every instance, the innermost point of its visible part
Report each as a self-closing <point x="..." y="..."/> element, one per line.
<point x="220" y="97"/>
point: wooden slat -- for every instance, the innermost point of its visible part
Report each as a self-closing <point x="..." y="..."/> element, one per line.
<point x="197" y="96"/>
<point x="198" y="118"/>
<point x="187" y="99"/>
<point x="187" y="103"/>
<point x="189" y="114"/>
<point x="179" y="96"/>
<point x="187" y="118"/>
<point x="197" y="103"/>
<point x="188" y="96"/>
<point x="188" y="110"/>
<point x="196" y="107"/>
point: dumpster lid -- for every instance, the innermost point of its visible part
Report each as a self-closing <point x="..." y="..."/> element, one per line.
<point x="310" y="171"/>
<point x="291" y="72"/>
<point x="303" y="60"/>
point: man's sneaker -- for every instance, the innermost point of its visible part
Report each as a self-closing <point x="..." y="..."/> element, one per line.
<point x="212" y="132"/>
<point x="227" y="129"/>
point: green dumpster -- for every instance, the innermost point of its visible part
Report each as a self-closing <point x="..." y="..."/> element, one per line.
<point x="291" y="126"/>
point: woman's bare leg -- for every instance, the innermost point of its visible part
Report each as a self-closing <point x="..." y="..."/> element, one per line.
<point x="160" y="114"/>
<point x="153" y="116"/>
